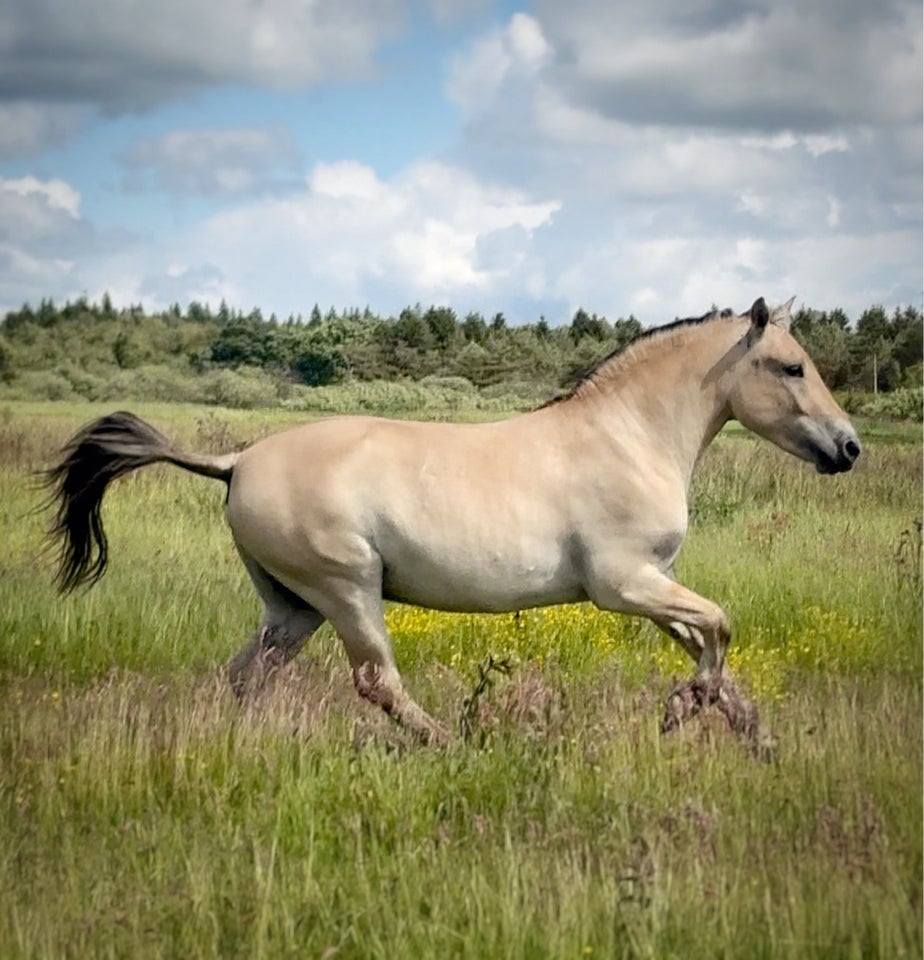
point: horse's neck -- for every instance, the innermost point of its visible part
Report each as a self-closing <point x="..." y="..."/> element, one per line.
<point x="670" y="395"/>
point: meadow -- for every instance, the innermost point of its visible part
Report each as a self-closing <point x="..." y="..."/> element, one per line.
<point x="143" y="813"/>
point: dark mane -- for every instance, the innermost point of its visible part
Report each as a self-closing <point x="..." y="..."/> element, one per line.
<point x="588" y="375"/>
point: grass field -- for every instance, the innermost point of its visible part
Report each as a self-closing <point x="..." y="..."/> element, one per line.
<point x="144" y="814"/>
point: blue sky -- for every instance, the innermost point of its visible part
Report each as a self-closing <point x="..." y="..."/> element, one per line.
<point x="524" y="157"/>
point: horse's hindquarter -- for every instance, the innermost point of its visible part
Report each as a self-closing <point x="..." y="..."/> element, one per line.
<point x="464" y="517"/>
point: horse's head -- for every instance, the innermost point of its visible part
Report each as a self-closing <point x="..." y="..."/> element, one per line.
<point x="777" y="392"/>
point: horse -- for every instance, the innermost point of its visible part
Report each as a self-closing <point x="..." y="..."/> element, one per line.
<point x="584" y="498"/>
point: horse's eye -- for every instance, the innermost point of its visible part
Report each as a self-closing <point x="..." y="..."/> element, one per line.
<point x="794" y="370"/>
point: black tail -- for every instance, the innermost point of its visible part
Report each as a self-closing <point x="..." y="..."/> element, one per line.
<point x="95" y="456"/>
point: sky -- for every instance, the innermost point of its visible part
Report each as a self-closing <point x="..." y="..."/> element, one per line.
<point x="652" y="159"/>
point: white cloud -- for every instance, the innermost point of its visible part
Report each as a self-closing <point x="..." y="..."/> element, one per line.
<point x="803" y="64"/>
<point x="752" y="203"/>
<point x="518" y="50"/>
<point x="685" y="275"/>
<point x="526" y="41"/>
<point x="435" y="233"/>
<point x="351" y="238"/>
<point x="178" y="283"/>
<point x="651" y="157"/>
<point x="820" y="144"/>
<point x="695" y="146"/>
<point x="347" y="180"/>
<point x="42" y="239"/>
<point x="816" y="144"/>
<point x="436" y="256"/>
<point x="448" y="11"/>
<point x="55" y="193"/>
<point x="32" y="270"/>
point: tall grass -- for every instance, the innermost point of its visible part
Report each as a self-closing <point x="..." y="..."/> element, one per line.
<point x="142" y="813"/>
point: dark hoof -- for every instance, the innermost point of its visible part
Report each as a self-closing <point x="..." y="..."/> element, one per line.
<point x="719" y="697"/>
<point x="680" y="708"/>
<point x="687" y="699"/>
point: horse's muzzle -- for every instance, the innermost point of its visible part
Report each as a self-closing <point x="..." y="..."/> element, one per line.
<point x="846" y="451"/>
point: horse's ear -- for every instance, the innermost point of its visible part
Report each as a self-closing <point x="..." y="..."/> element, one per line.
<point x="782" y="315"/>
<point x="760" y="317"/>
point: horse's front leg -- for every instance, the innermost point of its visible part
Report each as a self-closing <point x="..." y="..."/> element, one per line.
<point x="701" y="627"/>
<point x="689" y="638"/>
<point x="698" y="624"/>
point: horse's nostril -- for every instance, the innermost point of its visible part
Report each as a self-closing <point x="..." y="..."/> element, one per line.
<point x="852" y="449"/>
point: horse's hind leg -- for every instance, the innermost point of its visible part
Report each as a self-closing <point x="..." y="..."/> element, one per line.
<point x="288" y="621"/>
<point x="355" y="612"/>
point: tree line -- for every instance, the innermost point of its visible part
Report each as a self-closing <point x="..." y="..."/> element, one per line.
<point x="84" y="342"/>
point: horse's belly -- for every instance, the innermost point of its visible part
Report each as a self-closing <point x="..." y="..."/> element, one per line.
<point x="485" y="583"/>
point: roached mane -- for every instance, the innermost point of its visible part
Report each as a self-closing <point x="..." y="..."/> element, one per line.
<point x="654" y="332"/>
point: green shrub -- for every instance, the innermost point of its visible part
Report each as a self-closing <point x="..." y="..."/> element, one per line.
<point x="38" y="385"/>
<point x="245" y="388"/>
<point x="151" y="382"/>
<point x="452" y="384"/>
<point x="904" y="404"/>
<point x="520" y="393"/>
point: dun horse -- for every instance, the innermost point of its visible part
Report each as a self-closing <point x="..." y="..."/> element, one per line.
<point x="583" y="499"/>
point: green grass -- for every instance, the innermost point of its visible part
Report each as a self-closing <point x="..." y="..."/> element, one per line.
<point x="142" y="813"/>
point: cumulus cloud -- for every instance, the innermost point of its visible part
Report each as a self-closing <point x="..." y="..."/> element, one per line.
<point x="27" y="279"/>
<point x="431" y="232"/>
<point x="653" y="157"/>
<point x="56" y="195"/>
<point x="128" y="55"/>
<point x="448" y="11"/>
<point x="41" y="234"/>
<point x="210" y="162"/>
<point x="516" y="51"/>
<point x="181" y="284"/>
<point x="668" y="276"/>
<point x="695" y="146"/>
<point x="806" y="65"/>
<point x="350" y="238"/>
